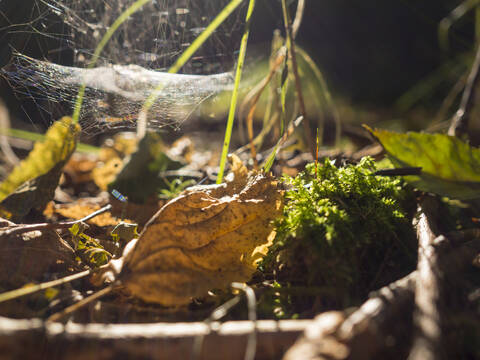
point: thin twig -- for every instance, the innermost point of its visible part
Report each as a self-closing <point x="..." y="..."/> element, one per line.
<point x="252" y="316"/>
<point x="9" y="295"/>
<point x="23" y="228"/>
<point x="216" y="315"/>
<point x="459" y="125"/>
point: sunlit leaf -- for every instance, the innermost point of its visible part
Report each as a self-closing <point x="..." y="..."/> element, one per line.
<point x="111" y="157"/>
<point x="124" y="231"/>
<point x="87" y="248"/>
<point x="450" y="167"/>
<point x="32" y="183"/>
<point x="204" y="239"/>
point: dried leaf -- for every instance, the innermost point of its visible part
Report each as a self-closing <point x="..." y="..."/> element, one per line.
<point x="450" y="167"/>
<point x="111" y="158"/>
<point x="125" y="231"/>
<point x="80" y="167"/>
<point x="31" y="256"/>
<point x="36" y="193"/>
<point x="204" y="239"/>
<point x="83" y="207"/>
<point x="32" y="183"/>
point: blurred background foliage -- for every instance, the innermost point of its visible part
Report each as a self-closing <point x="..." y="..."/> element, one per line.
<point x="382" y="59"/>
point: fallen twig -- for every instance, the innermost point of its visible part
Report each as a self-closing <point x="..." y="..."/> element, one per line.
<point x="383" y="324"/>
<point x="24" y="228"/>
<point x="22" y="339"/>
<point x="365" y="332"/>
<point x="427" y="344"/>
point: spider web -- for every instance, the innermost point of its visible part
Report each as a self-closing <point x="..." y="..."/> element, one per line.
<point x="132" y="64"/>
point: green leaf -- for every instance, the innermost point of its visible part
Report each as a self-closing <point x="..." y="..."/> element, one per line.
<point x="450" y="167"/>
<point x="88" y="249"/>
<point x="32" y="183"/>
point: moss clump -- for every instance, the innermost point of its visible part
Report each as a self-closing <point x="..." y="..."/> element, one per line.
<point x="344" y="233"/>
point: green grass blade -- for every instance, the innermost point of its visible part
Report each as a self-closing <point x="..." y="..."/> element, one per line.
<point x="198" y="42"/>
<point x="32" y="136"/>
<point x="233" y="103"/>
<point x="186" y="55"/>
<point x="111" y="30"/>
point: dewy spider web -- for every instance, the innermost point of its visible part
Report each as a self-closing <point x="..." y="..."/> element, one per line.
<point x="151" y="39"/>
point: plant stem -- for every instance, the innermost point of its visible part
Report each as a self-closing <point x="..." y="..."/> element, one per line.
<point x="298" y="18"/>
<point x="233" y="103"/>
<point x="298" y="86"/>
<point x="459" y="125"/>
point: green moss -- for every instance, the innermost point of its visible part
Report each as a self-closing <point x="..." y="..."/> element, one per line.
<point x="344" y="233"/>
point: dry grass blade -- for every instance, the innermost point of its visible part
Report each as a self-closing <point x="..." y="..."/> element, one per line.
<point x="298" y="86"/>
<point x="10" y="156"/>
<point x="254" y="96"/>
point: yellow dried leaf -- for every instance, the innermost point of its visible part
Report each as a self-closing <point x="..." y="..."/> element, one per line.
<point x="204" y="239"/>
<point x="111" y="159"/>
<point x="81" y="208"/>
<point x="59" y="144"/>
<point x="31" y="184"/>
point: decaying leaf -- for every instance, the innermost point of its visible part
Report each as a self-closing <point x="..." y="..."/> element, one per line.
<point x="137" y="213"/>
<point x="33" y="255"/>
<point x="32" y="183"/>
<point x="450" y="167"/>
<point x="124" y="231"/>
<point x="204" y="239"/>
<point x="88" y="248"/>
<point x="111" y="158"/>
<point x="80" y="167"/>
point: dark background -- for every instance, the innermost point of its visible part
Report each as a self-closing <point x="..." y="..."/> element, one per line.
<point x="370" y="51"/>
